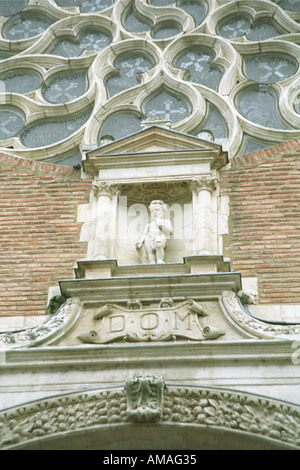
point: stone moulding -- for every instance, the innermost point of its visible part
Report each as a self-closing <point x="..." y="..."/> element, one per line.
<point x="274" y="423"/>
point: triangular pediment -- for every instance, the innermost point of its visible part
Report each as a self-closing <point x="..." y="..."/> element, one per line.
<point x="156" y="138"/>
<point x="150" y="141"/>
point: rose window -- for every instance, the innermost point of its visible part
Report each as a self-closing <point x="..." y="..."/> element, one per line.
<point x="76" y="73"/>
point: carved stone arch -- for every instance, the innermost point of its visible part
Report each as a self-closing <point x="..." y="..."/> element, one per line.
<point x="147" y="413"/>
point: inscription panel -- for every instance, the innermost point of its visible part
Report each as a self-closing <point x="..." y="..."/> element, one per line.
<point x="166" y="322"/>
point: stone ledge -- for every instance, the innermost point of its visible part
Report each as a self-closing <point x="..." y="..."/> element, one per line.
<point x="155" y="287"/>
<point x="194" y="264"/>
<point x="182" y="352"/>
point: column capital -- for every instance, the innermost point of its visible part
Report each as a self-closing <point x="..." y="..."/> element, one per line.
<point x="208" y="183"/>
<point x="103" y="188"/>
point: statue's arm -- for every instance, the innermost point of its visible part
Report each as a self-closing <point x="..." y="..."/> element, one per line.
<point x="167" y="228"/>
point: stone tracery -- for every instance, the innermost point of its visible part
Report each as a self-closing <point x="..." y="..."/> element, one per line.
<point x="237" y="53"/>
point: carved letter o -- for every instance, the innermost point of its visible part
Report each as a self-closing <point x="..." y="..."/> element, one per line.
<point x="149" y="321"/>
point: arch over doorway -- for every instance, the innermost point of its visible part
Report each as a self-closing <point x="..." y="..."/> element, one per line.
<point x="169" y="417"/>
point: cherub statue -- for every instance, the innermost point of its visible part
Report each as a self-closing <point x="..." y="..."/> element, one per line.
<point x="153" y="243"/>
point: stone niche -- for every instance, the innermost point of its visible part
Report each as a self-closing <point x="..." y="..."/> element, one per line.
<point x="156" y="164"/>
<point x="134" y="215"/>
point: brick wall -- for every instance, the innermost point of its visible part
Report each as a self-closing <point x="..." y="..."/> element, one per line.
<point x="39" y="236"/>
<point x="264" y="240"/>
<point x="38" y="231"/>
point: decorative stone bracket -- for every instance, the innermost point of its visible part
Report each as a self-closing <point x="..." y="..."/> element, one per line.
<point x="144" y="397"/>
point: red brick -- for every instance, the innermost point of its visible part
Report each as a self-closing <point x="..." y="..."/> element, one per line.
<point x="39" y="238"/>
<point x="264" y="238"/>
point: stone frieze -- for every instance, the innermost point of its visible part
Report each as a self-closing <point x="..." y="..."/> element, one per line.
<point x="275" y="422"/>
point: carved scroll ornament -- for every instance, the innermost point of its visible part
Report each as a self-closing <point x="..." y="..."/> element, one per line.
<point x="44" y="333"/>
<point x="249" y="325"/>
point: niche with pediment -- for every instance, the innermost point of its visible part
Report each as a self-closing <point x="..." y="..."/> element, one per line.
<point x="155" y="198"/>
<point x="134" y="215"/>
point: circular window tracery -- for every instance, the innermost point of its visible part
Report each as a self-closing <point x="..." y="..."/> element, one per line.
<point x="297" y="104"/>
<point x="291" y="5"/>
<point x="120" y="125"/>
<point x="259" y="104"/>
<point x="197" y="10"/>
<point x="264" y="29"/>
<point x="165" y="31"/>
<point x="215" y="123"/>
<point x="134" y="24"/>
<point x="167" y="106"/>
<point x="204" y="58"/>
<point x="66" y="48"/>
<point x="20" y="27"/>
<point x="20" y="81"/>
<point x="8" y="8"/>
<point x="86" y="6"/>
<point x="94" y="40"/>
<point x="49" y="131"/>
<point x="235" y="26"/>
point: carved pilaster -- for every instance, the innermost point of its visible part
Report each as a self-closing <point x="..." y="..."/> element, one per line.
<point x="105" y="218"/>
<point x="203" y="187"/>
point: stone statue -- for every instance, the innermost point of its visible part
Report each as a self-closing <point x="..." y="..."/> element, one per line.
<point x="153" y="243"/>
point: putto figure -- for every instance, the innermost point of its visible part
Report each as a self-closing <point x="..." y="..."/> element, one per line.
<point x="152" y="245"/>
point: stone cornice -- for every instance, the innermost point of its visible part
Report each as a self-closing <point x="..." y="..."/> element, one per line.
<point x="95" y="292"/>
<point x="177" y="354"/>
<point x="155" y="146"/>
<point x="149" y="287"/>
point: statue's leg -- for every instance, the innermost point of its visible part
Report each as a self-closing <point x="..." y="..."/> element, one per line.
<point x="150" y="252"/>
<point x="160" y="255"/>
